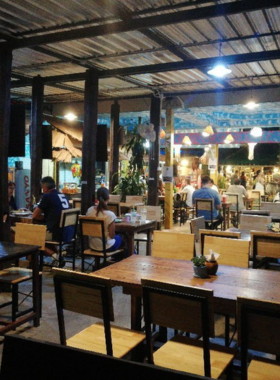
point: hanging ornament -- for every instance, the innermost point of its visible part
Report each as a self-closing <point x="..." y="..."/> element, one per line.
<point x="76" y="170"/>
<point x="251" y="147"/>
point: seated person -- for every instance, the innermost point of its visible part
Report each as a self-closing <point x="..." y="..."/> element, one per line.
<point x="101" y="210"/>
<point x="189" y="189"/>
<point x="276" y="178"/>
<point x="213" y="186"/>
<point x="160" y="187"/>
<point x="205" y="192"/>
<point x="242" y="193"/>
<point x="11" y="198"/>
<point x="49" y="210"/>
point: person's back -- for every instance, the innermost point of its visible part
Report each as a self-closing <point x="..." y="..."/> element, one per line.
<point x="241" y="191"/>
<point x="189" y="190"/>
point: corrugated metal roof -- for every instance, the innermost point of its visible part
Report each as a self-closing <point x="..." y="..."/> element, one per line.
<point x="127" y="38"/>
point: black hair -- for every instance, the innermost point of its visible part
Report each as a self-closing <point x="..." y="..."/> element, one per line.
<point x="48" y="182"/>
<point x="11" y="183"/>
<point x="206" y="179"/>
<point x="102" y="196"/>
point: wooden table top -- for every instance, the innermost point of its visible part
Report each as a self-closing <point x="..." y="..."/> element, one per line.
<point x="12" y="251"/>
<point x="135" y="227"/>
<point x="229" y="282"/>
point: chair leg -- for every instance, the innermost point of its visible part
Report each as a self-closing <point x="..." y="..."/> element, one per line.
<point x="14" y="301"/>
<point x="74" y="255"/>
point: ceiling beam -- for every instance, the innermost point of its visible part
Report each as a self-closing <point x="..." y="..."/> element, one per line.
<point x="225" y="9"/>
<point x="161" y="67"/>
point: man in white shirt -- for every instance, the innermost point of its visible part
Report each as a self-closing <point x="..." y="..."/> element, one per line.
<point x="189" y="190"/>
<point x="276" y="178"/>
<point x="241" y="191"/>
<point x="213" y="186"/>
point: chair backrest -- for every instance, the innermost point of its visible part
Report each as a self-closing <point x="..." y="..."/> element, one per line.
<point x="264" y="244"/>
<point x="31" y="234"/>
<point x="256" y="196"/>
<point x="224" y="234"/>
<point x="115" y="207"/>
<point x="77" y="203"/>
<point x="254" y="222"/>
<point x="153" y="212"/>
<point x="179" y="307"/>
<point x="84" y="294"/>
<point x="115" y="198"/>
<point x="258" y="328"/>
<point x="69" y="217"/>
<point x="256" y="212"/>
<point x="173" y="245"/>
<point x="196" y="225"/>
<point x="134" y="199"/>
<point x="206" y="206"/>
<point x="233" y="252"/>
<point x="91" y="226"/>
<point x="273" y="207"/>
<point x="234" y="200"/>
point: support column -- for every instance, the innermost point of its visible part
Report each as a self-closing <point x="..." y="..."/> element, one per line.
<point x="36" y="142"/>
<point x="155" y="115"/>
<point x="89" y="139"/>
<point x="169" y="143"/>
<point x="114" y="146"/>
<point x="5" y="85"/>
<point x="214" y="173"/>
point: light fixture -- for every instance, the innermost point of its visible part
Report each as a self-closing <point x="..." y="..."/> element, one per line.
<point x="251" y="147"/>
<point x="220" y="69"/>
<point x="184" y="163"/>
<point x="251" y="105"/>
<point x="208" y="131"/>
<point x="186" y="141"/>
<point x="229" y="139"/>
<point x="70" y="116"/>
<point x="256" y="132"/>
<point x="147" y="144"/>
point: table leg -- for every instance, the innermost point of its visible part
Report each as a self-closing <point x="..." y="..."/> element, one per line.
<point x="149" y="243"/>
<point x="130" y="243"/>
<point x="136" y="309"/>
<point x="36" y="288"/>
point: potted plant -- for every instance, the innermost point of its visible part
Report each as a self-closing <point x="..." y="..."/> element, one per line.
<point x="199" y="266"/>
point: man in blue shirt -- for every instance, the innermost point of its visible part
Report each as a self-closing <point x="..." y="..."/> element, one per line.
<point x="49" y="209"/>
<point x="207" y="193"/>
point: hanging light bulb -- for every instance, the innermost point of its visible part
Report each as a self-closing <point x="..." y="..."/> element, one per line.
<point x="70" y="116"/>
<point x="220" y="69"/>
<point x="256" y="132"/>
<point x="251" y="104"/>
<point x="186" y="141"/>
<point x="229" y="139"/>
<point x="208" y="131"/>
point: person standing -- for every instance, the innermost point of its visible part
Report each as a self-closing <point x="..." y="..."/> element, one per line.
<point x="11" y="198"/>
<point x="243" y="180"/>
<point x="234" y="177"/>
<point x="205" y="192"/>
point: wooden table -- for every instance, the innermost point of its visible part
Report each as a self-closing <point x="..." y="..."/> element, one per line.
<point x="11" y="252"/>
<point x="229" y="282"/>
<point x="226" y="214"/>
<point x="131" y="228"/>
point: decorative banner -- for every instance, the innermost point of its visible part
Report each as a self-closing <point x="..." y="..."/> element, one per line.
<point x="167" y="174"/>
<point x="218" y="138"/>
<point x="212" y="163"/>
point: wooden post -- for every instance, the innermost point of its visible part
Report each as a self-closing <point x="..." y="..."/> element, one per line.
<point x="154" y="152"/>
<point x="5" y="83"/>
<point x="89" y="139"/>
<point x="169" y="143"/>
<point x="36" y="136"/>
<point x="114" y="146"/>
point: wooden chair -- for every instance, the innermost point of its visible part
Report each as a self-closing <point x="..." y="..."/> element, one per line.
<point x="77" y="203"/>
<point x="259" y="330"/>
<point x="94" y="227"/>
<point x="12" y="277"/>
<point x="196" y="225"/>
<point x="115" y="207"/>
<point x="92" y="296"/>
<point x="223" y="234"/>
<point x="115" y="198"/>
<point x="205" y="206"/>
<point x="134" y="199"/>
<point x="153" y="213"/>
<point x="69" y="218"/>
<point x="254" y="222"/>
<point x="233" y="251"/>
<point x="175" y="245"/>
<point x="235" y="207"/>
<point x="256" y="196"/>
<point x="186" y="309"/>
<point x="264" y="246"/>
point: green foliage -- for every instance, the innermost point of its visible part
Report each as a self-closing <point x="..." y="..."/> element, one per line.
<point x="199" y="261"/>
<point x="130" y="181"/>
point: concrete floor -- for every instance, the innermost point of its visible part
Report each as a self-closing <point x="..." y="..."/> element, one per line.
<point x="48" y="329"/>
